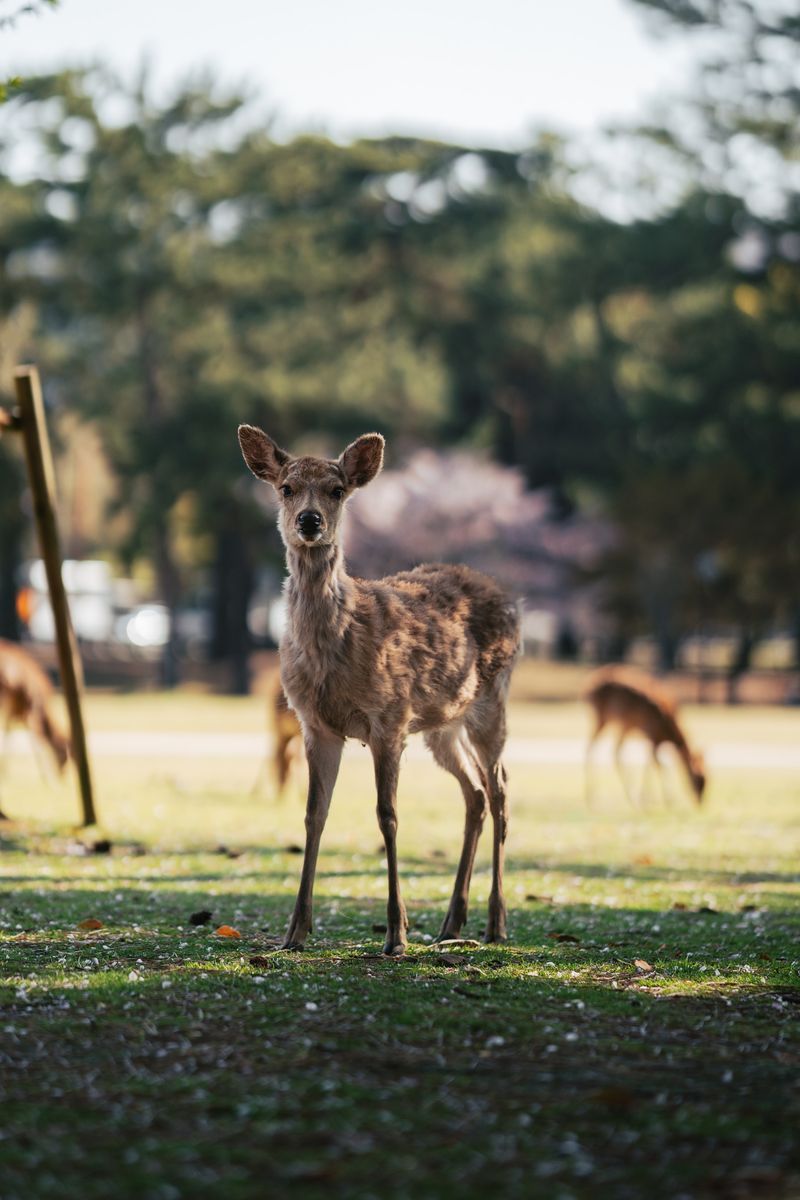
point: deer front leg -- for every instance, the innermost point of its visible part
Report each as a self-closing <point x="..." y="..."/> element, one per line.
<point x="387" y="768"/>
<point x="324" y="753"/>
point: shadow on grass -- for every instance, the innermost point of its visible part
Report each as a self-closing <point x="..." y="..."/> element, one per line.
<point x="651" y="872"/>
<point x="597" y="1053"/>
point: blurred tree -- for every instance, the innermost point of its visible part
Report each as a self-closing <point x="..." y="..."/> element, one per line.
<point x="200" y="273"/>
<point x="726" y="390"/>
<point x="113" y="254"/>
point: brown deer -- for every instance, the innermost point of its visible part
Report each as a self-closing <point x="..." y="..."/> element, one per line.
<point x="287" y="734"/>
<point x="429" y="650"/>
<point x="25" y="697"/>
<point x="632" y="700"/>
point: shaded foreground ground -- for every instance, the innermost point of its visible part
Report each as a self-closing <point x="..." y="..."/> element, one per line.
<point x="638" y="1036"/>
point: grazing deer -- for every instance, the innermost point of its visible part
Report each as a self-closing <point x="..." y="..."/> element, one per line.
<point x="285" y="734"/>
<point x="429" y="650"/>
<point x="25" y="696"/>
<point x="286" y="737"/>
<point x="633" y="701"/>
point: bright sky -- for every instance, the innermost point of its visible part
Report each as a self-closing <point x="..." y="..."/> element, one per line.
<point x="474" y="71"/>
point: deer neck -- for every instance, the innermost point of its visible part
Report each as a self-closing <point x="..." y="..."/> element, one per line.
<point x="320" y="600"/>
<point x="682" y="746"/>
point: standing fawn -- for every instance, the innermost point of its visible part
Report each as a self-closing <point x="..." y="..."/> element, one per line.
<point x="25" y="696"/>
<point x="429" y="650"/>
<point x="628" y="698"/>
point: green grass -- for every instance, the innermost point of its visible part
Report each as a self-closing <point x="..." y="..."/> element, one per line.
<point x="150" y="1058"/>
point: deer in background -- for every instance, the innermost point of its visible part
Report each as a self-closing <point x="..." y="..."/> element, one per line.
<point x="25" y="697"/>
<point x="633" y="701"/>
<point x="429" y="650"/>
<point x="285" y="735"/>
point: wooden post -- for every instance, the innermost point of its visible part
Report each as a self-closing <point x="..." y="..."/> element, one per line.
<point x="42" y="480"/>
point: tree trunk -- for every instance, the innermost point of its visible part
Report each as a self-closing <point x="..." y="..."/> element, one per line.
<point x="741" y="662"/>
<point x="233" y="587"/>
<point x="167" y="573"/>
<point x="668" y="646"/>
<point x="169" y="591"/>
<point x="9" y="565"/>
<point x="12" y="525"/>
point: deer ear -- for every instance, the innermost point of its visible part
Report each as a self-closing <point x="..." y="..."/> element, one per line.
<point x="363" y="459"/>
<point x="263" y="456"/>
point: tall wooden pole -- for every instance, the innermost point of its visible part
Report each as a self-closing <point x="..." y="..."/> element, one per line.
<point x="42" y="480"/>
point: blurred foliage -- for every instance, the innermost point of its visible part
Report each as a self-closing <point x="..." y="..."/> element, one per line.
<point x="10" y="13"/>
<point x="188" y="271"/>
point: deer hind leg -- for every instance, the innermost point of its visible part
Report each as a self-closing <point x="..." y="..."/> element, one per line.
<point x="453" y="751"/>
<point x="488" y="735"/>
<point x="324" y="752"/>
<point x="282" y="762"/>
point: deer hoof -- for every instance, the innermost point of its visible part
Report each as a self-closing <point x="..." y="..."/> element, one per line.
<point x="394" y="949"/>
<point x="293" y="944"/>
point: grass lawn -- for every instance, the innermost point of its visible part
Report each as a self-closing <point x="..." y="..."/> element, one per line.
<point x="638" y="1036"/>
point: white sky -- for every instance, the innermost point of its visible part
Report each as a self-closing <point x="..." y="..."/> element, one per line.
<point x="475" y="71"/>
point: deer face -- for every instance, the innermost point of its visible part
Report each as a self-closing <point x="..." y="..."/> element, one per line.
<point x="311" y="491"/>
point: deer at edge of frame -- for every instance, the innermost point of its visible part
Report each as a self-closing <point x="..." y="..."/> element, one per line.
<point x="429" y="650"/>
<point x="632" y="700"/>
<point x="25" y="697"/>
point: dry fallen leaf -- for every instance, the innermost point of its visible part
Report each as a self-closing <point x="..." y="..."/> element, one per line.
<point x="643" y="860"/>
<point x="447" y="960"/>
<point x="228" y="931"/>
<point x="563" y="937"/>
<point x="90" y="923"/>
<point x="642" y="964"/>
<point x="614" y="1096"/>
<point x="260" y="960"/>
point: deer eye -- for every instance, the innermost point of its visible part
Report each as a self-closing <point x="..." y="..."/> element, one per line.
<point x="337" y="493"/>
<point x="286" y="491"/>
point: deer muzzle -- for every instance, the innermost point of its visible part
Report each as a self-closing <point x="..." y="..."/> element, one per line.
<point x="309" y="523"/>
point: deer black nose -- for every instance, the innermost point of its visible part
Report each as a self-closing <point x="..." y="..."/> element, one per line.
<point x="309" y="522"/>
